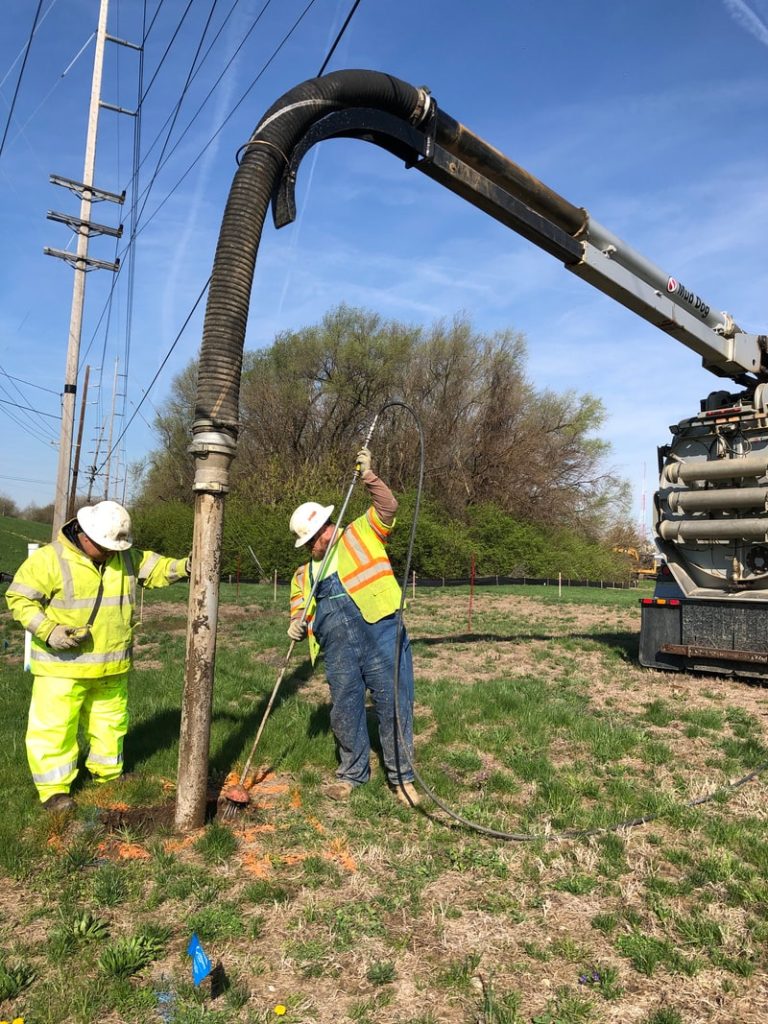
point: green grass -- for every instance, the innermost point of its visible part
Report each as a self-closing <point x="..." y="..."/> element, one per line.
<point x="537" y="722"/>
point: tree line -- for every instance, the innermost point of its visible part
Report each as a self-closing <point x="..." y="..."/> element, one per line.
<point x="516" y="476"/>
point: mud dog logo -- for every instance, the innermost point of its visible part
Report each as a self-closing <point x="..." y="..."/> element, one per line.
<point x="697" y="304"/>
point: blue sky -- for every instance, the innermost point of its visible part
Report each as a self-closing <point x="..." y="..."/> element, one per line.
<point x="651" y="115"/>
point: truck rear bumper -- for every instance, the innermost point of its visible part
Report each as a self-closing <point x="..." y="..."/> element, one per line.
<point x="723" y="637"/>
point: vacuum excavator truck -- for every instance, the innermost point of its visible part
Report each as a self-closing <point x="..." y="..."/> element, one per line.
<point x="709" y="610"/>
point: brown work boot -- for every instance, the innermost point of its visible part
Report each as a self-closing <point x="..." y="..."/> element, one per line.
<point x="59" y="803"/>
<point x="339" y="790"/>
<point x="406" y="793"/>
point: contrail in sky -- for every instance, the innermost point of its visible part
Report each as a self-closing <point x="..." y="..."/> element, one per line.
<point x="748" y="19"/>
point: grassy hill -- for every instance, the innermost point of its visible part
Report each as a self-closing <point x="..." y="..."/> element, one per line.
<point x="15" y="534"/>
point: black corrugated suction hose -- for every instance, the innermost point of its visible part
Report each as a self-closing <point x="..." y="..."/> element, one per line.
<point x="283" y="125"/>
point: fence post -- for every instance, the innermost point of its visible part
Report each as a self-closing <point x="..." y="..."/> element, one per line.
<point x="413" y="584"/>
<point x="237" y="577"/>
<point x="471" y="592"/>
<point x="274" y="589"/>
<point x="559" y="584"/>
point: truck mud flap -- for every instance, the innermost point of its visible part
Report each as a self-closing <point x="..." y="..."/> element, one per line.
<point x="660" y="626"/>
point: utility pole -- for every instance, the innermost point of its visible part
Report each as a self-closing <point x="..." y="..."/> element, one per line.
<point x="78" y="447"/>
<point x="84" y="228"/>
<point x="108" y="468"/>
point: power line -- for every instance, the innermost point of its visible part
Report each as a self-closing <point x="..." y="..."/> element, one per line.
<point x="132" y="241"/>
<point x="15" y="59"/>
<point x="197" y="113"/>
<point x="242" y="99"/>
<point x="21" y="75"/>
<point x="167" y="49"/>
<point x="29" y="383"/>
<point x="160" y="369"/>
<point x="197" y="70"/>
<point x="177" y="109"/>
<point x="337" y="40"/>
<point x="39" y="412"/>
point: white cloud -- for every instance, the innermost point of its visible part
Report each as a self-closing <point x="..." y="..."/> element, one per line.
<point x="745" y="16"/>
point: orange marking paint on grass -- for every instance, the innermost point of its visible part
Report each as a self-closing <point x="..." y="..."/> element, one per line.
<point x="339" y="851"/>
<point x="174" y="845"/>
<point x="249" y="833"/>
<point x="294" y="858"/>
<point x="295" y="798"/>
<point x="261" y="867"/>
<point x="318" y="826"/>
<point x="131" y="851"/>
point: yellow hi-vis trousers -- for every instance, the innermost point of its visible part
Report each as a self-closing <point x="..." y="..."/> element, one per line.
<point x="59" y="706"/>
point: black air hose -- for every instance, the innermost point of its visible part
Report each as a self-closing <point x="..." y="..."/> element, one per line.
<point x="264" y="159"/>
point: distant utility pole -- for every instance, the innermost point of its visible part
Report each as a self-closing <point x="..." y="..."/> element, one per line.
<point x="84" y="228"/>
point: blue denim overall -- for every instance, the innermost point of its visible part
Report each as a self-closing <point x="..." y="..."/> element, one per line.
<point x="360" y="656"/>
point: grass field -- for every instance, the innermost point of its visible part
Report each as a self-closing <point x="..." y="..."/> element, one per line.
<point x="537" y="721"/>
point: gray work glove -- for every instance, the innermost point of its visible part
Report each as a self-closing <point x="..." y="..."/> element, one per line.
<point x="363" y="461"/>
<point x="297" y="630"/>
<point x="61" y="640"/>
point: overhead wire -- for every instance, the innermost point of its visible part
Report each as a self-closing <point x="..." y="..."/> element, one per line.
<point x="338" y="38"/>
<point x="21" y="75"/>
<point x="20" y="131"/>
<point x="244" y="96"/>
<point x="179" y="102"/>
<point x="199" y="110"/>
<point x="167" y="50"/>
<point x="21" y="51"/>
<point x="195" y="74"/>
<point x="35" y="427"/>
<point x="159" y="370"/>
<point x="29" y="383"/>
<point x="242" y="99"/>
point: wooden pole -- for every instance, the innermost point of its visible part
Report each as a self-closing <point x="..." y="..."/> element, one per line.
<point x="274" y="590"/>
<point x="471" y="592"/>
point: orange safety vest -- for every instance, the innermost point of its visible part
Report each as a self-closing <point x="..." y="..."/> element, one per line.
<point x="364" y="571"/>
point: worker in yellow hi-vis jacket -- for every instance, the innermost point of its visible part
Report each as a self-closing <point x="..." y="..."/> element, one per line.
<point x="76" y="597"/>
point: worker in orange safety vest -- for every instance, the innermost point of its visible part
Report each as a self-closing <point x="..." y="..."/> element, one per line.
<point x="352" y="619"/>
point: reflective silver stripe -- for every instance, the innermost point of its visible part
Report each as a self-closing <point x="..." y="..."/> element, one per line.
<point x="36" y="622"/>
<point x="87" y="602"/>
<point x="352" y="542"/>
<point x="55" y="773"/>
<point x="103" y="759"/>
<point x="176" y="570"/>
<point x="24" y="591"/>
<point x="131" y="573"/>
<point x="373" y="569"/>
<point x="67" y="585"/>
<point x="81" y="659"/>
<point x="148" y="566"/>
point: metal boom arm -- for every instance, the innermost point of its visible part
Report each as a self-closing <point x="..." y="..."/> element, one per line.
<point x="450" y="154"/>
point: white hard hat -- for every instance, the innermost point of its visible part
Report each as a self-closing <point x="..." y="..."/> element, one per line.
<point x="309" y="519"/>
<point x="107" y="524"/>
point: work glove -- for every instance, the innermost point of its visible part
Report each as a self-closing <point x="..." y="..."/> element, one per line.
<point x="297" y="630"/>
<point x="61" y="640"/>
<point x="188" y="565"/>
<point x="363" y="461"/>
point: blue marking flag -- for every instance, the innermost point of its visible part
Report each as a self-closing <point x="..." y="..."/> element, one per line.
<point x="201" y="964"/>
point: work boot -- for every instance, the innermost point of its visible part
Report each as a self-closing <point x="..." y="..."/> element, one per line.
<point x="339" y="790"/>
<point x="59" y="803"/>
<point x="406" y="793"/>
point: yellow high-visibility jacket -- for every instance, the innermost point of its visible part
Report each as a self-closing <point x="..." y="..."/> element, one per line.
<point x="59" y="584"/>
<point x="364" y="571"/>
